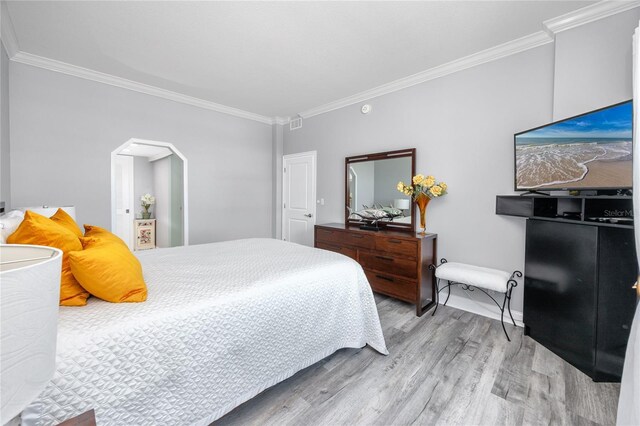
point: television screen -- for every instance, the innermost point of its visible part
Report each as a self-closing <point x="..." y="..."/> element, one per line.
<point x="589" y="151"/>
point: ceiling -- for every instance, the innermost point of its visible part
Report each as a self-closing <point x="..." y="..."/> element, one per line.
<point x="275" y="59"/>
<point x="152" y="152"/>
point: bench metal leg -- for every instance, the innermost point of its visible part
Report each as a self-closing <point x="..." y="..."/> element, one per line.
<point x="509" y="306"/>
<point x="448" y="294"/>
<point x="436" y="296"/>
<point x="506" y="302"/>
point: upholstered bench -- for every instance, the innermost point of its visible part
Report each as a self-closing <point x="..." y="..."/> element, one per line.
<point x="472" y="277"/>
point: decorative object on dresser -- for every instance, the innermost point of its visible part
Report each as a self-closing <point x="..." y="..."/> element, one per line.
<point x="422" y="190"/>
<point x="146" y="201"/>
<point x="145" y="232"/>
<point x="396" y="263"/>
<point x="29" y="295"/>
<point x="471" y="277"/>
<point x="371" y="201"/>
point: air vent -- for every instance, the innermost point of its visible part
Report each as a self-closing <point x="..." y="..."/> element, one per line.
<point x="296" y="123"/>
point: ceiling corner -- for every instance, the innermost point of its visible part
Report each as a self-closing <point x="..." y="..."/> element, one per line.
<point x="585" y="15"/>
<point x="7" y="32"/>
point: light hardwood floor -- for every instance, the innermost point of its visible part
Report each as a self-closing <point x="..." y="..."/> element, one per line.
<point x="455" y="368"/>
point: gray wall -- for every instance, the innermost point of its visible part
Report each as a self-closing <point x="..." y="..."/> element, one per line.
<point x="387" y="175"/>
<point x="593" y="66"/>
<point x="462" y="126"/>
<point x="5" y="167"/>
<point x="64" y="129"/>
<point x="162" y="192"/>
<point x="365" y="186"/>
<point x="176" y="219"/>
<point x="142" y="182"/>
<point x="276" y="177"/>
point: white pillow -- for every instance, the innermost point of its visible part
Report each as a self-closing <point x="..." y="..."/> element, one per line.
<point x="9" y="222"/>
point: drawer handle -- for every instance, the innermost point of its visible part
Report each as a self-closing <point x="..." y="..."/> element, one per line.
<point x="384" y="278"/>
<point x="395" y="241"/>
<point x="387" y="259"/>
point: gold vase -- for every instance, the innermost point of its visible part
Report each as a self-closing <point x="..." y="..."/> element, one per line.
<point x="422" y="200"/>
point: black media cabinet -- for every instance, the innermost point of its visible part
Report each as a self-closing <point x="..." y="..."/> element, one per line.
<point x="580" y="266"/>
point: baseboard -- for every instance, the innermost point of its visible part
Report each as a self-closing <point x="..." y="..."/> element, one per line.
<point x="465" y="303"/>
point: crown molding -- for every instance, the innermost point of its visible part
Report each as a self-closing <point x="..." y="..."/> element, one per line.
<point x="551" y="27"/>
<point x="7" y="32"/>
<point x="588" y="14"/>
<point x="65" y="68"/>
<point x="506" y="49"/>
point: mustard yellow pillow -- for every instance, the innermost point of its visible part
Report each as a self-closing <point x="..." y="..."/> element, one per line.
<point x="62" y="218"/>
<point x="40" y="230"/>
<point x="101" y="234"/>
<point x="108" y="270"/>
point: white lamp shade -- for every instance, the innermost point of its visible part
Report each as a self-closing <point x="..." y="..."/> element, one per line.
<point x="402" y="203"/>
<point x="29" y="298"/>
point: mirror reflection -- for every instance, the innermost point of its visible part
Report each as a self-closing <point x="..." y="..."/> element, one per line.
<point x="372" y="190"/>
<point x="148" y="196"/>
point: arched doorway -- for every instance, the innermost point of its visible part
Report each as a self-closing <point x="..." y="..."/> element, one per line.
<point x="140" y="167"/>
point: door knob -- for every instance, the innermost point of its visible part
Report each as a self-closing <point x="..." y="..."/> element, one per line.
<point x="308" y="215"/>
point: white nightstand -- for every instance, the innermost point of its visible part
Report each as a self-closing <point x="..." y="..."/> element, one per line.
<point x="145" y="234"/>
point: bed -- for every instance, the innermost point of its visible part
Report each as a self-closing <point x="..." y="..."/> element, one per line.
<point x="222" y="322"/>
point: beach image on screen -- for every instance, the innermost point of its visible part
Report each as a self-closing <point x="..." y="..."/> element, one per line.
<point x="589" y="151"/>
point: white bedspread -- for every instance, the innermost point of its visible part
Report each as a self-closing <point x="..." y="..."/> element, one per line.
<point x="222" y="322"/>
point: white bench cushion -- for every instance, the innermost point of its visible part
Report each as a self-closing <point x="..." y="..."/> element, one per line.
<point x="487" y="278"/>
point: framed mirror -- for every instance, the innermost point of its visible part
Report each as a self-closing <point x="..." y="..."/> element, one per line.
<point x="371" y="196"/>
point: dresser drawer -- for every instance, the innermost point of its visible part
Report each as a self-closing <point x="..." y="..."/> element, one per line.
<point x="350" y="252"/>
<point x="328" y="236"/>
<point x="402" y="289"/>
<point x="391" y="264"/>
<point x="397" y="247"/>
<point x="360" y="239"/>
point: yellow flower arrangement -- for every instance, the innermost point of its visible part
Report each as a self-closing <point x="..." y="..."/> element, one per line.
<point x="422" y="184"/>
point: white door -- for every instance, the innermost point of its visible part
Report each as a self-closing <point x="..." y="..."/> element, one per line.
<point x="124" y="204"/>
<point x="299" y="197"/>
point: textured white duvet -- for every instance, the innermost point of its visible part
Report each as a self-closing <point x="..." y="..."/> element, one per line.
<point x="222" y="322"/>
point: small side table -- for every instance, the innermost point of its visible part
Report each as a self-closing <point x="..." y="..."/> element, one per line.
<point x="145" y="233"/>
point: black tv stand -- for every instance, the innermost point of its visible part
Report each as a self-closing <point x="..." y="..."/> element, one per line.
<point x="534" y="193"/>
<point x="580" y="264"/>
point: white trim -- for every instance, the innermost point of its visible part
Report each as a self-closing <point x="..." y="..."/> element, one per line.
<point x="552" y="26"/>
<point x="503" y="50"/>
<point x="100" y="77"/>
<point x="281" y="120"/>
<point x="185" y="171"/>
<point x="588" y="14"/>
<point x="594" y="12"/>
<point x="479" y="308"/>
<point x="159" y="156"/>
<point x="314" y="193"/>
<point x="129" y="240"/>
<point x="7" y="33"/>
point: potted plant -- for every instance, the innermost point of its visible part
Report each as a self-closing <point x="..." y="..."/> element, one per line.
<point x="146" y="201"/>
<point x="422" y="190"/>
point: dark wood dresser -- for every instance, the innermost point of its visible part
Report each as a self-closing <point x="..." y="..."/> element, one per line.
<point x="396" y="263"/>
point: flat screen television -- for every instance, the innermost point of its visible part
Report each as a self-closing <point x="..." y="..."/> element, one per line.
<point x="589" y="151"/>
